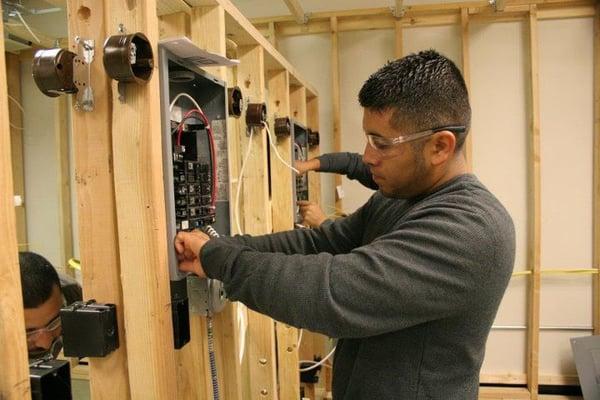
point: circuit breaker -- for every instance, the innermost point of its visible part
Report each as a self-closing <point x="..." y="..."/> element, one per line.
<point x="196" y="177"/>
<point x="300" y="145"/>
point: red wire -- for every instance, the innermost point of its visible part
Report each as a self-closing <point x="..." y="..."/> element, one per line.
<point x="213" y="150"/>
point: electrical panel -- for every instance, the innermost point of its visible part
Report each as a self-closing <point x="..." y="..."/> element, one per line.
<point x="300" y="145"/>
<point x="196" y="179"/>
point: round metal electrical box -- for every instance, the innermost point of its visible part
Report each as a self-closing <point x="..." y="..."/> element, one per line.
<point x="313" y="138"/>
<point x="283" y="127"/>
<point x="53" y="71"/>
<point x="256" y="114"/>
<point x="128" y="58"/>
<point x="236" y="101"/>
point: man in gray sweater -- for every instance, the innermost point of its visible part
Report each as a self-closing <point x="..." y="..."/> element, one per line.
<point x="411" y="282"/>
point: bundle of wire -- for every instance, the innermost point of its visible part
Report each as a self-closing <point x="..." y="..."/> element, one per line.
<point x="195" y="113"/>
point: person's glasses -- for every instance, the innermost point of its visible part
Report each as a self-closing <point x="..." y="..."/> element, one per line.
<point x="52" y="327"/>
<point x="383" y="144"/>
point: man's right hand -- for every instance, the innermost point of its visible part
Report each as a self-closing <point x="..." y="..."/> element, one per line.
<point x="311" y="213"/>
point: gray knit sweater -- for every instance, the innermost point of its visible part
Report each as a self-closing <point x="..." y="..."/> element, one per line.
<point x="349" y="164"/>
<point x="411" y="288"/>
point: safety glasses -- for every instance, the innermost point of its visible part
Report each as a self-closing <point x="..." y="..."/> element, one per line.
<point x="52" y="327"/>
<point x="383" y="144"/>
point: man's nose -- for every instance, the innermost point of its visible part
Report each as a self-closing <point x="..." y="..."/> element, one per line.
<point x="44" y="340"/>
<point x="370" y="156"/>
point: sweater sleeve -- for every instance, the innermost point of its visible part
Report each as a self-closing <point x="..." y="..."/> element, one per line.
<point x="349" y="164"/>
<point x="429" y="267"/>
<point x="334" y="237"/>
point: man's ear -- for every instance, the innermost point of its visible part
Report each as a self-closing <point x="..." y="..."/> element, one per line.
<point x="443" y="144"/>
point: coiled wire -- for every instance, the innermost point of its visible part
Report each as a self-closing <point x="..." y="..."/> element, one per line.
<point x="210" y="231"/>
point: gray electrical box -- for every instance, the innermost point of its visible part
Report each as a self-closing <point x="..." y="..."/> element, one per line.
<point x="196" y="175"/>
<point x="299" y="135"/>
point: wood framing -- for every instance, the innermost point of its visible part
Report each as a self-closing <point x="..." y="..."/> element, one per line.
<point x="398" y="39"/>
<point x="335" y="94"/>
<point x="241" y="31"/>
<point x="260" y="343"/>
<point x="13" y="73"/>
<point x="282" y="202"/>
<point x="141" y="221"/>
<point x="65" y="223"/>
<point x="428" y="15"/>
<point x="596" y="187"/>
<point x="208" y="32"/>
<point x="14" y="381"/>
<point x="96" y="207"/>
<point x="466" y="70"/>
<point x="176" y="24"/>
<point x="314" y="178"/>
<point x="297" y="11"/>
<point x="534" y="229"/>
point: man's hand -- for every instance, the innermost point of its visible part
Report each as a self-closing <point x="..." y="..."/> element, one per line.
<point x="305" y="166"/>
<point x="311" y="213"/>
<point x="188" y="246"/>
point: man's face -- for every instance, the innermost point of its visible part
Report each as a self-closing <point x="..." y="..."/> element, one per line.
<point x="399" y="171"/>
<point x="38" y="318"/>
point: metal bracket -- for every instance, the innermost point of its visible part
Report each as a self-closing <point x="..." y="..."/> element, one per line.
<point x="82" y="74"/>
<point x="398" y="13"/>
<point x="497" y="4"/>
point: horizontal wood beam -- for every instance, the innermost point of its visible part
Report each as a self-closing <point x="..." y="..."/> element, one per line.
<point x="428" y="15"/>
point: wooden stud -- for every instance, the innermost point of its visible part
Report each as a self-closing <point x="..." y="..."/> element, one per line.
<point x="314" y="178"/>
<point x="139" y="193"/>
<point x="466" y="70"/>
<point x="260" y="342"/>
<point x="272" y="34"/>
<point x="208" y="32"/>
<point x="297" y="11"/>
<point x="13" y="73"/>
<point x="96" y="207"/>
<point x="596" y="187"/>
<point x="398" y="39"/>
<point x="335" y="94"/>
<point x="174" y="25"/>
<point x="14" y="380"/>
<point x="534" y="232"/>
<point x="283" y="211"/>
<point x="65" y="223"/>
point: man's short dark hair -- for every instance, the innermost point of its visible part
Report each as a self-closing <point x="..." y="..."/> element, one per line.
<point x="426" y="90"/>
<point x="38" y="279"/>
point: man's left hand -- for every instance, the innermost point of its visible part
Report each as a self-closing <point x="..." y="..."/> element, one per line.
<point x="188" y="246"/>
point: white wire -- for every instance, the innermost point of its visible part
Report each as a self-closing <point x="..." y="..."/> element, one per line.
<point x="317" y="364"/>
<point x="17" y="103"/>
<point x="300" y="151"/>
<point x="277" y="152"/>
<point x="18" y="14"/>
<point x="239" y="184"/>
<point x="22" y="111"/>
<point x="299" y="338"/>
<point x="183" y="94"/>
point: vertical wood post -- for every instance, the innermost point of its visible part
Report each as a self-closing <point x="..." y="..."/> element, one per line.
<point x="534" y="232"/>
<point x="14" y="379"/>
<point x="257" y="218"/>
<point x="137" y="153"/>
<point x="97" y="213"/>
